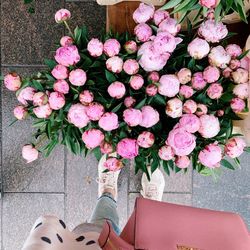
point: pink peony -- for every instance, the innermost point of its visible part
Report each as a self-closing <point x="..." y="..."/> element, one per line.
<point x="234" y="50"/>
<point x="116" y="90"/>
<point x="182" y="161"/>
<point x="166" y="153"/>
<point x="77" y="115"/>
<point x="189" y="107"/>
<point x="26" y="95"/>
<point x="131" y="66"/>
<point x="20" y="112"/>
<point x="60" y="72"/>
<point x="169" y="25"/>
<point x="114" y="64"/>
<point x="77" y="77"/>
<point x="136" y="82"/>
<point x="143" y="13"/>
<point x="234" y="64"/>
<point x="184" y="75"/>
<point x="235" y="147"/>
<point x="113" y="164"/>
<point x="186" y="91"/>
<point x="43" y="111"/>
<point x="211" y="74"/>
<point x="66" y="41"/>
<point x="182" y="142"/>
<point x="201" y="109"/>
<point x="210" y="126"/>
<point x="106" y="148"/>
<point x="219" y="57"/>
<point x="95" y="111"/>
<point x="92" y="138"/>
<point x="61" y="86"/>
<point x="12" y="81"/>
<point x="198" y="48"/>
<point x="215" y="91"/>
<point x="127" y="148"/>
<point x="95" y="47"/>
<point x="111" y="47"/>
<point x="174" y="108"/>
<point x="240" y="76"/>
<point x="151" y="90"/>
<point x="86" y="97"/>
<point x="109" y="121"/>
<point x="198" y="81"/>
<point x="143" y="32"/>
<point x="210" y="156"/>
<point x="220" y="113"/>
<point x="227" y="72"/>
<point x="132" y="117"/>
<point x="245" y="63"/>
<point x="237" y="105"/>
<point x="39" y="99"/>
<point x="131" y="47"/>
<point x="146" y="139"/>
<point x="241" y="90"/>
<point x="29" y="153"/>
<point x="129" y="102"/>
<point x="153" y="77"/>
<point x="67" y="56"/>
<point x="159" y="16"/>
<point x="209" y="3"/>
<point x="190" y="122"/>
<point x="62" y="15"/>
<point x="56" y="100"/>
<point x="169" y="85"/>
<point x="150" y="117"/>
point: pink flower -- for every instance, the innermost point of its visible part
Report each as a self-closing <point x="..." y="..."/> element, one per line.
<point x="182" y="142"/>
<point x="146" y="139"/>
<point x="166" y="153"/>
<point x="95" y="111"/>
<point x="186" y="91"/>
<point x="198" y="48"/>
<point x="116" y="90"/>
<point x="245" y="63"/>
<point x="26" y="95"/>
<point x="169" y="85"/>
<point x="190" y="122"/>
<point x="12" y="81"/>
<point x="182" y="161"/>
<point x="211" y="156"/>
<point x="127" y="148"/>
<point x="235" y="147"/>
<point x="234" y="50"/>
<point x="240" y="76"/>
<point x="60" y="72"/>
<point x="219" y="57"/>
<point x="67" y="56"/>
<point x="189" y="107"/>
<point x="220" y="113"/>
<point x="29" y="153"/>
<point x="210" y="126"/>
<point x="153" y="77"/>
<point x="227" y="72"/>
<point x="215" y="91"/>
<point x="77" y="115"/>
<point x="131" y="66"/>
<point x="62" y="15"/>
<point x="136" y="82"/>
<point x="169" y="25"/>
<point x="241" y="90"/>
<point x="114" y="64"/>
<point x="198" y="81"/>
<point x="143" y="32"/>
<point x="86" y="97"/>
<point x="109" y="121"/>
<point x="209" y="3"/>
<point x="213" y="31"/>
<point x="131" y="47"/>
<point x="129" y="102"/>
<point x="113" y="164"/>
<point x="211" y="74"/>
<point x="159" y="16"/>
<point x="234" y="64"/>
<point x="95" y="47"/>
<point x="56" y="100"/>
<point x="143" y="13"/>
<point x="111" y="47"/>
<point x="92" y="138"/>
<point x="77" y="77"/>
<point x="237" y="105"/>
<point x="61" y="86"/>
<point x="132" y="117"/>
<point x="66" y="41"/>
<point x="150" y="117"/>
<point x="20" y="112"/>
<point x="201" y="109"/>
<point x="174" y="108"/>
<point x="106" y="148"/>
<point x="39" y="99"/>
<point x="151" y="90"/>
<point x="184" y="75"/>
<point x="43" y="111"/>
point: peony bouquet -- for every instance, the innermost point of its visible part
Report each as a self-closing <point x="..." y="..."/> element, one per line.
<point x="159" y="98"/>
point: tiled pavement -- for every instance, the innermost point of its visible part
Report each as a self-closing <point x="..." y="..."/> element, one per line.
<point x="64" y="184"/>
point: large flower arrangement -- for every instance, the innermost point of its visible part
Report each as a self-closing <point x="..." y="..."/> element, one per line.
<point x="161" y="98"/>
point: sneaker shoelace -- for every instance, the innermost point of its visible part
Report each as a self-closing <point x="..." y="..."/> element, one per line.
<point x="151" y="192"/>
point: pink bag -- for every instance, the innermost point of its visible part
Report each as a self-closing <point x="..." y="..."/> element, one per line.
<point x="162" y="226"/>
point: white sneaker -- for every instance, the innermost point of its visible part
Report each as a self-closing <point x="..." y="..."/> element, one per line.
<point x="154" y="188"/>
<point x="107" y="180"/>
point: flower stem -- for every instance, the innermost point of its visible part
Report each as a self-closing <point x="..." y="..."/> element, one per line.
<point x="41" y="141"/>
<point x="67" y="26"/>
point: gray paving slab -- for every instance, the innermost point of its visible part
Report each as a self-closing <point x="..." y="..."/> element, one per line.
<point x="20" y="212"/>
<point x="230" y="193"/>
<point x="43" y="175"/>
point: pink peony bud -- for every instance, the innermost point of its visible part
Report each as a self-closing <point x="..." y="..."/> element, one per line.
<point x="170" y="25"/>
<point x="146" y="139"/>
<point x="60" y="72"/>
<point x="150" y="117"/>
<point x="169" y="85"/>
<point x="220" y="113"/>
<point x="113" y="164"/>
<point x="86" y="97"/>
<point x="227" y="72"/>
<point x="95" y="111"/>
<point x="56" y="100"/>
<point x="245" y="62"/>
<point x="67" y="56"/>
<point x="153" y="77"/>
<point x="198" y="48"/>
<point x="151" y="90"/>
<point x="210" y="14"/>
<point x="12" y="81"/>
<point x="111" y="47"/>
<point x="133" y="117"/>
<point x="159" y="16"/>
<point x="174" y="108"/>
<point x="219" y="57"/>
<point x="209" y="3"/>
<point x="131" y="47"/>
<point x="95" y="47"/>
<point x="190" y="122"/>
<point x="234" y="64"/>
<point x="166" y="153"/>
<point x="61" y="86"/>
<point x="143" y="32"/>
<point x="29" y="153"/>
<point x="77" y="77"/>
<point x="62" y="15"/>
<point x="20" y="112"/>
<point x="43" y="111"/>
<point x="26" y="95"/>
<point x="92" y="138"/>
<point x="182" y="161"/>
<point x="240" y="76"/>
<point x="186" y="91"/>
<point x="109" y="121"/>
<point x="127" y="148"/>
<point x="198" y="81"/>
<point x="234" y="50"/>
<point x="136" y="82"/>
<point x="77" y="115"/>
<point x="129" y="102"/>
<point x="116" y="90"/>
<point x="106" y="148"/>
<point x="237" y="105"/>
<point x="143" y="13"/>
<point x="184" y="75"/>
<point x="215" y="91"/>
<point x="189" y="107"/>
<point x="131" y="67"/>
<point x="39" y="99"/>
<point x="66" y="41"/>
<point x="241" y="90"/>
<point x="201" y="109"/>
<point x="211" y="74"/>
<point x="114" y="64"/>
<point x="235" y="147"/>
<point x="210" y="126"/>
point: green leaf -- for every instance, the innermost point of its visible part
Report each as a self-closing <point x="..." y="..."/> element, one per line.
<point x="171" y="164"/>
<point x="247" y="149"/>
<point x="37" y="85"/>
<point x="159" y="99"/>
<point x="170" y="4"/>
<point x="227" y="97"/>
<point x="225" y="163"/>
<point x="97" y="153"/>
<point x="141" y="103"/>
<point x="243" y="54"/>
<point x="28" y="1"/>
<point x="116" y="108"/>
<point x="206" y="172"/>
<point x="241" y="10"/>
<point x="165" y="167"/>
<point x="50" y="63"/>
<point x="217" y="13"/>
<point x="110" y="77"/>
<point x="184" y="6"/>
<point x="77" y="35"/>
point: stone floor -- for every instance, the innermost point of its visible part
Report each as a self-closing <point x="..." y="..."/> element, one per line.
<point x="64" y="184"/>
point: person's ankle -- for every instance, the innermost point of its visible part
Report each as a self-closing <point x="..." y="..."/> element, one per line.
<point x="109" y="191"/>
